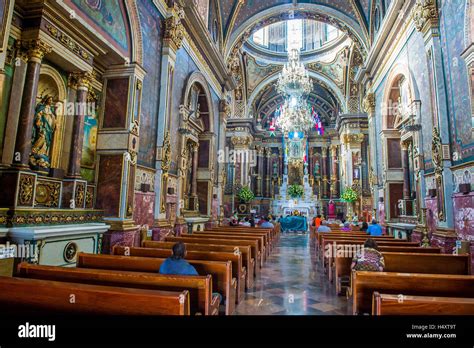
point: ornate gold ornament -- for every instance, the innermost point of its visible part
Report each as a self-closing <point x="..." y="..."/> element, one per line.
<point x="425" y="15"/>
<point x="47" y="194"/>
<point x="243" y="140"/>
<point x="437" y="158"/>
<point x="353" y="138"/>
<point x="166" y="151"/>
<point x="174" y="29"/>
<point x="37" y="48"/>
<point x="80" y="195"/>
<point x="70" y="252"/>
<point x="81" y="79"/>
<point x="25" y="195"/>
<point x="369" y="103"/>
<point x="67" y="42"/>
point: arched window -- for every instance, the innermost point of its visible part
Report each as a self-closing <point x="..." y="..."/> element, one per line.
<point x="377" y="18"/>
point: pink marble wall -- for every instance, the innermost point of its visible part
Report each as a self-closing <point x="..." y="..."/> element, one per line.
<point x="123" y="238"/>
<point x="160" y="233"/>
<point x="179" y="229"/>
<point x="464" y="219"/>
<point x="143" y="213"/>
<point x="381" y="215"/>
<point x="431" y="205"/>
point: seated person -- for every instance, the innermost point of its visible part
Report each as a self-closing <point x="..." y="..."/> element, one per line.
<point x="317" y="221"/>
<point x="246" y="222"/>
<point x="374" y="229"/>
<point x="369" y="259"/>
<point x="176" y="264"/>
<point x="252" y="222"/>
<point x="267" y="223"/>
<point x="324" y="227"/>
<point x="347" y="226"/>
<point x="364" y="227"/>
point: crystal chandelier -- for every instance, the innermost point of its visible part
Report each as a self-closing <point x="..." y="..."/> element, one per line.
<point x="295" y="116"/>
<point x="294" y="79"/>
<point x="294" y="84"/>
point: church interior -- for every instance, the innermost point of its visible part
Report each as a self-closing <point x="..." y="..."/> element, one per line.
<point x="236" y="129"/>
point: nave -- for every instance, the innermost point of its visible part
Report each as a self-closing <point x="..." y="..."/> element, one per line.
<point x="293" y="283"/>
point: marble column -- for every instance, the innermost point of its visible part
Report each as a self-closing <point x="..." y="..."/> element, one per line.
<point x="260" y="172"/>
<point x="194" y="195"/>
<point x="82" y="81"/>
<point x="37" y="49"/>
<point x="427" y="22"/>
<point x="406" y="171"/>
<point x="324" y="170"/>
<point x="18" y="82"/>
<point x="268" y="172"/>
<point x="335" y="173"/>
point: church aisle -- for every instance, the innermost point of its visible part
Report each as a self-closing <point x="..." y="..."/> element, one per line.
<point x="293" y="283"/>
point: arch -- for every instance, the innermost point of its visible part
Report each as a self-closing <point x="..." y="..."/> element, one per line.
<point x="281" y="12"/>
<point x="135" y="25"/>
<point x="326" y="82"/>
<point x="199" y="78"/>
<point x="397" y="71"/>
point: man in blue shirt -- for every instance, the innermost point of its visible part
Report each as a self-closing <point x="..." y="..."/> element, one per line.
<point x="374" y="229"/>
<point x="176" y="264"/>
<point x="267" y="223"/>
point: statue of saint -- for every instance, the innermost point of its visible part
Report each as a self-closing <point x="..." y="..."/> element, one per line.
<point x="43" y="132"/>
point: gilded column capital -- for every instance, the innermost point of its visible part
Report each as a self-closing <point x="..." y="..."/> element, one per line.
<point x="37" y="49"/>
<point x="174" y="29"/>
<point x="369" y="104"/>
<point x="354" y="139"/>
<point x="225" y="108"/>
<point x="81" y="79"/>
<point x="425" y="15"/>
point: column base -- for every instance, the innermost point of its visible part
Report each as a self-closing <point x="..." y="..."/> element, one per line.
<point x="161" y="229"/>
<point x="445" y="239"/>
<point x="180" y="226"/>
<point x="123" y="233"/>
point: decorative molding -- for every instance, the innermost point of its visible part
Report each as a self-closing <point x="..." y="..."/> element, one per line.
<point x="425" y="15"/>
<point x="69" y="43"/>
<point x="174" y="29"/>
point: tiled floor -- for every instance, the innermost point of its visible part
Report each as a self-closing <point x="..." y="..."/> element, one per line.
<point x="293" y="283"/>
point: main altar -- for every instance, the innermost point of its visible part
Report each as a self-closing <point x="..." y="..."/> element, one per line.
<point x="295" y="173"/>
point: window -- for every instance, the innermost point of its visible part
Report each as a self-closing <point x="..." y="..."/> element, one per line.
<point x="261" y="37"/>
<point x="295" y="34"/>
<point x="377" y="19"/>
<point x="302" y="34"/>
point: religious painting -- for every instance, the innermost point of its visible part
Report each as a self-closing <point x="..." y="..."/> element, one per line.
<point x="90" y="141"/>
<point x="108" y="17"/>
<point x="258" y="72"/>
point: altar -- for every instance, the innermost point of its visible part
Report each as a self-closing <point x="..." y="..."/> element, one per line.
<point x="294" y="224"/>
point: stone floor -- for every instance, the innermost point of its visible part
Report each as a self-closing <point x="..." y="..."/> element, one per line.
<point x="292" y="282"/>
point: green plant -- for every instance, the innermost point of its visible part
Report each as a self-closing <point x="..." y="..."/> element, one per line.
<point x="349" y="195"/>
<point x="245" y="194"/>
<point x="295" y="191"/>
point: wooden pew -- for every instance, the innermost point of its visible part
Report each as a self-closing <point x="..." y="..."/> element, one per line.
<point x="328" y="242"/>
<point x="221" y="272"/>
<point x="199" y="287"/>
<point x="385" y="304"/>
<point x="247" y="260"/>
<point x="261" y="243"/>
<point x="272" y="233"/>
<point x="217" y="241"/>
<point x="410" y="261"/>
<point x="238" y="271"/>
<point x="268" y="239"/>
<point x="445" y="285"/>
<point x="37" y="297"/>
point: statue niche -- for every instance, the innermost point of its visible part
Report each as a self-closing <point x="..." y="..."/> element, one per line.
<point x="43" y="133"/>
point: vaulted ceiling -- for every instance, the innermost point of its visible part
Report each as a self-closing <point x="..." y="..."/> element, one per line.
<point x="239" y="15"/>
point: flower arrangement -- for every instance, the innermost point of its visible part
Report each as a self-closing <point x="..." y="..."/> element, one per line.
<point x="295" y="191"/>
<point x="245" y="194"/>
<point x="349" y="195"/>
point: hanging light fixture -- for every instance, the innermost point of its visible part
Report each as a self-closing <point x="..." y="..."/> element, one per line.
<point x="294" y="79"/>
<point x="294" y="84"/>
